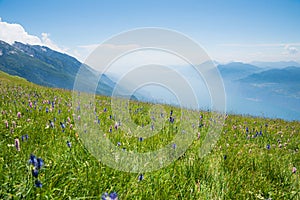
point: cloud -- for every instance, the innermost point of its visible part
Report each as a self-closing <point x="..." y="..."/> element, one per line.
<point x="83" y="51"/>
<point x="260" y="44"/>
<point x="291" y="50"/>
<point x="11" y="32"/>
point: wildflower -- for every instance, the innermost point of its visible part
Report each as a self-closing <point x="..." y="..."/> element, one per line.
<point x="17" y="144"/>
<point x="113" y="196"/>
<point x="141" y="177"/>
<point x="294" y="169"/>
<point x="225" y="157"/>
<point x="268" y="146"/>
<point x="51" y="124"/>
<point x="116" y="126"/>
<point x="104" y="196"/>
<point x="69" y="144"/>
<point x="35" y="173"/>
<point x="33" y="160"/>
<point x="172" y="119"/>
<point x="19" y="115"/>
<point x="39" y="163"/>
<point x="174" y="146"/>
<point x="62" y="125"/>
<point x="198" y="137"/>
<point x="6" y="124"/>
<point x="47" y="110"/>
<point x="247" y="130"/>
<point x="171" y="112"/>
<point x="141" y="139"/>
<point x="104" y="110"/>
<point x="38" y="184"/>
<point x="119" y="143"/>
<point x="110" y="129"/>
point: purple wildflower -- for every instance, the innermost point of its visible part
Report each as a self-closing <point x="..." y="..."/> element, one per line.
<point x="174" y="146"/>
<point x="294" y="170"/>
<point x="17" y="144"/>
<point x="19" y="115"/>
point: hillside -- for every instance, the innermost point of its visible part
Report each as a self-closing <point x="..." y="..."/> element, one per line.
<point x="45" y="151"/>
<point x="44" y="66"/>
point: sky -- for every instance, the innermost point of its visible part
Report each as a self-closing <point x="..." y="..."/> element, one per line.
<point x="241" y="30"/>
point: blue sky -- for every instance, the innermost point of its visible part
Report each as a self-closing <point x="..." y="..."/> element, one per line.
<point x="228" y="30"/>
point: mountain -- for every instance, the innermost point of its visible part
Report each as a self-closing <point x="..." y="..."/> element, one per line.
<point x="237" y="70"/>
<point x="44" y="66"/>
<point x="280" y="64"/>
<point x="285" y="76"/>
<point x="276" y="81"/>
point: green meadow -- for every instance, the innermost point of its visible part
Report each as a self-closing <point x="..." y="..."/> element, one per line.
<point x="254" y="158"/>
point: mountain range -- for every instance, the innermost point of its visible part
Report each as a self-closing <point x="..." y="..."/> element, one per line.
<point x="245" y="84"/>
<point x="44" y="66"/>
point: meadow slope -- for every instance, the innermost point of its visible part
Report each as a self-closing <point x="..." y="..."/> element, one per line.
<point x="254" y="158"/>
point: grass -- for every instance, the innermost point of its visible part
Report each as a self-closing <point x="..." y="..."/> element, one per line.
<point x="238" y="167"/>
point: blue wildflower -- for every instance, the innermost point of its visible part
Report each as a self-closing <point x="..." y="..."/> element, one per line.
<point x="141" y="139"/>
<point x="104" y="196"/>
<point x="35" y="173"/>
<point x="172" y="119"/>
<point x="47" y="110"/>
<point x="26" y="137"/>
<point x="33" y="160"/>
<point x="40" y="163"/>
<point x="69" y="144"/>
<point x="38" y="184"/>
<point x="174" y="146"/>
<point x="268" y="146"/>
<point x="113" y="196"/>
<point x="119" y="143"/>
<point x="62" y="125"/>
<point x="141" y="177"/>
<point x="225" y="157"/>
